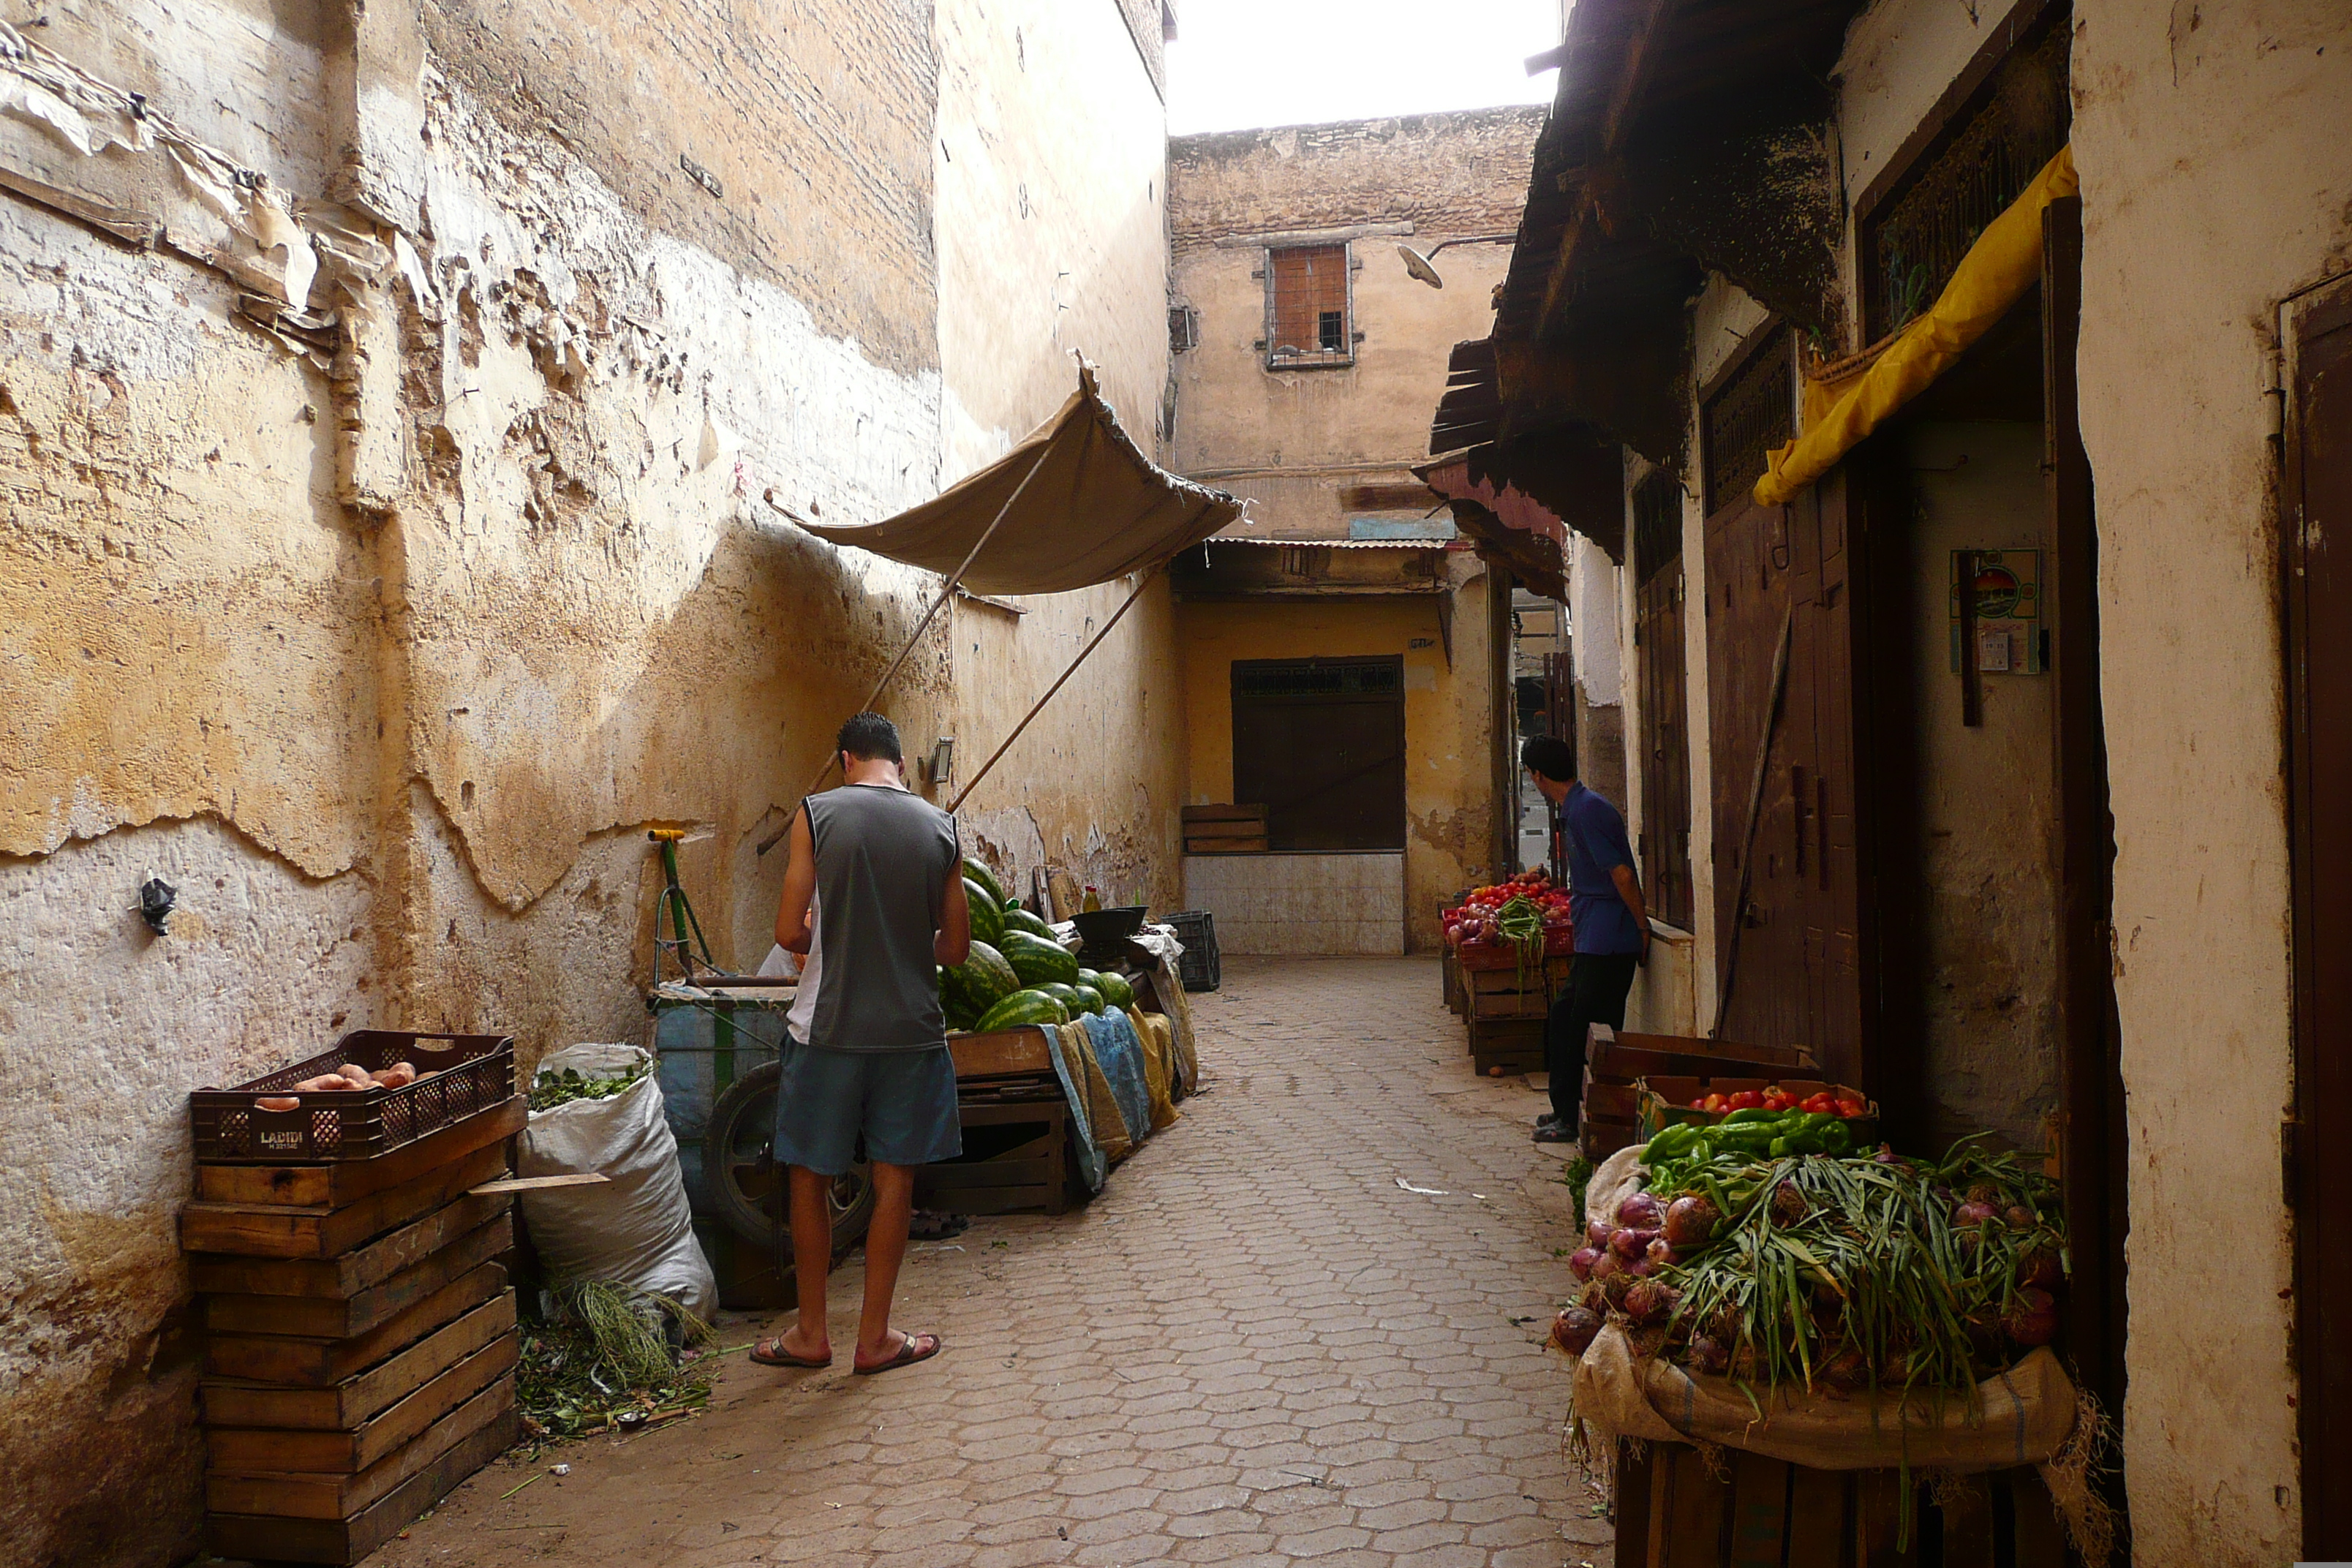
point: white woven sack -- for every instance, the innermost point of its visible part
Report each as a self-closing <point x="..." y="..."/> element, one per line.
<point x="634" y="1228"/>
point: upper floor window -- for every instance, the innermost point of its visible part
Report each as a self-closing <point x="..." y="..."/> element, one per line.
<point x="1309" y="318"/>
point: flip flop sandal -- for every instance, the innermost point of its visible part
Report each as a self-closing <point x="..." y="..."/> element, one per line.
<point x="928" y="1226"/>
<point x="780" y="1356"/>
<point x="912" y="1348"/>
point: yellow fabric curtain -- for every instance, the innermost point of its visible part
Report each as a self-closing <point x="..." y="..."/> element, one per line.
<point x="2005" y="262"/>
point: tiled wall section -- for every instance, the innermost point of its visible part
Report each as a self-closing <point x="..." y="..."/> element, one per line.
<point x="1301" y="903"/>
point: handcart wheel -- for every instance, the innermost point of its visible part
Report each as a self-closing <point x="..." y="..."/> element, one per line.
<point x="740" y="1169"/>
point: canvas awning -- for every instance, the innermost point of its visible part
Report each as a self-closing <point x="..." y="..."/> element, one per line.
<point x="1079" y="504"/>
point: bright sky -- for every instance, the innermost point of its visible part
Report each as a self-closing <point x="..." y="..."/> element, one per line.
<point x="1238" y="64"/>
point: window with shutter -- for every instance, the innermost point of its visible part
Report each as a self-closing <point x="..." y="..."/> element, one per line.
<point x="1307" y="318"/>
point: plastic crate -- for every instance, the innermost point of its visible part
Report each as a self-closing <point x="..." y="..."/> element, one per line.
<point x="469" y="1073"/>
<point x="1197" y="930"/>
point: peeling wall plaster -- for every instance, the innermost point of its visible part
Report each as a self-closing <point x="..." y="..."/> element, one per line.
<point x="384" y="637"/>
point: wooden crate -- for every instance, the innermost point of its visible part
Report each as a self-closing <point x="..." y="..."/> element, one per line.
<point x="1514" y="1044"/>
<point x="1615" y="1059"/>
<point x="1513" y="993"/>
<point x="1224" y="830"/>
<point x="362" y="1345"/>
<point x="1760" y="1513"/>
<point x="345" y="1540"/>
<point x="1449" y="970"/>
<point x="1031" y="1175"/>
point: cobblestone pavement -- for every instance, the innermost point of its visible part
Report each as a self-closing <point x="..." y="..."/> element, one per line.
<point x="1258" y="1346"/>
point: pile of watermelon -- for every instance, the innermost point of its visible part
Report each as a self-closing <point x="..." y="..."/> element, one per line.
<point x="1017" y="972"/>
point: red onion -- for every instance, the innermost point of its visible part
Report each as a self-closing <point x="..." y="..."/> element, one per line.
<point x="1647" y="1301"/>
<point x="1641" y="1212"/>
<point x="1662" y="1254"/>
<point x="1708" y="1354"/>
<point x="1691" y="1222"/>
<point x="1788" y="1204"/>
<point x="1847" y="1370"/>
<point x="2033" y="1318"/>
<point x="1605" y="1266"/>
<point x="1641" y="1269"/>
<point x="2019" y="1217"/>
<point x="1575" y="1329"/>
<point x="1597" y="1232"/>
<point x="2040" y="1267"/>
<point x="1613" y="1286"/>
<point x="1973" y="1214"/>
<point x="1630" y="1244"/>
<point x="1581" y="1264"/>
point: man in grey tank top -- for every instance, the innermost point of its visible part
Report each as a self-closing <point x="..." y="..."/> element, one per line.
<point x="865" y="1046"/>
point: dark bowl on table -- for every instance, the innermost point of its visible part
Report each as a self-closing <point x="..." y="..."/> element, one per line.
<point x="1108" y="928"/>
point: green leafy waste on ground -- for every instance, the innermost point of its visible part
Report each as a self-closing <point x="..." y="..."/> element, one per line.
<point x="607" y="1358"/>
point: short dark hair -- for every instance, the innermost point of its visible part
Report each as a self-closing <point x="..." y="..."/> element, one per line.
<point x="1551" y="756"/>
<point x="867" y="736"/>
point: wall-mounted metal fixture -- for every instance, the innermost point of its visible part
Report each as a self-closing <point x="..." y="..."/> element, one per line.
<point x="1417" y="262"/>
<point x="940" y="766"/>
<point x="155" y="896"/>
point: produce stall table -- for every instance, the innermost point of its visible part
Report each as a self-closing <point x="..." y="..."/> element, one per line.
<point x="1613" y="1060"/>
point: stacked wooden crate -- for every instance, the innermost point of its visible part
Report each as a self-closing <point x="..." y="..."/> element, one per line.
<point x="1506" y="1005"/>
<point x="1224" y="830"/>
<point x="361" y="1339"/>
<point x="1613" y="1060"/>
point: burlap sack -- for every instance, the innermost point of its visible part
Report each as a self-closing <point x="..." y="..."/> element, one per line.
<point x="2020" y="1416"/>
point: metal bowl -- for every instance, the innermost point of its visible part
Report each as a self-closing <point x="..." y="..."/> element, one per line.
<point x="1105" y="928"/>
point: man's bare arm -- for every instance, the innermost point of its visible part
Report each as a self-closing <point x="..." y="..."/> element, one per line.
<point x="952" y="945"/>
<point x="1629" y="888"/>
<point x="800" y="887"/>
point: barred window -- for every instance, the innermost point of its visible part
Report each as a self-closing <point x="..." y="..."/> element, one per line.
<point x="1749" y="415"/>
<point x="1308" y="320"/>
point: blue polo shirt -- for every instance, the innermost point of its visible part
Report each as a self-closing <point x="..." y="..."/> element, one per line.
<point x="1594" y="833"/>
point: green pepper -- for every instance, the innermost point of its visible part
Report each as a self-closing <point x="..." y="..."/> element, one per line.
<point x="1672" y="1142"/>
<point x="1751" y="1113"/>
<point x="1837" y="1137"/>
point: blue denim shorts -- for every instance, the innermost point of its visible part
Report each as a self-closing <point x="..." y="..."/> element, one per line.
<point x="902" y="1102"/>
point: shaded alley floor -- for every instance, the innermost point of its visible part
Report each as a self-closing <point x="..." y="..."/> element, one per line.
<point x="1255" y="1347"/>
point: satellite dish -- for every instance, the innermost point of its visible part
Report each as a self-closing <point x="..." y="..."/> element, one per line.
<point x="1418" y="264"/>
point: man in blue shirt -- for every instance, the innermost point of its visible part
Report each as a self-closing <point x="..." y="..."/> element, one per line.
<point x="1613" y="928"/>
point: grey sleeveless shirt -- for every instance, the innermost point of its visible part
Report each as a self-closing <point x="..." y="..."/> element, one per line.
<point x="882" y="859"/>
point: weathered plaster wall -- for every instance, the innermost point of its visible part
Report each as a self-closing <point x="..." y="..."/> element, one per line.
<point x="1448" y="721"/>
<point x="1988" y="961"/>
<point x="2214" y="184"/>
<point x="387" y="659"/>
<point x="1052" y="244"/>
<point x="1293" y="440"/>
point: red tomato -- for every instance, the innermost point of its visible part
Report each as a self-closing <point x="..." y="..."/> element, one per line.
<point x="1746" y="1099"/>
<point x="1717" y="1104"/>
<point x="1699" y="1104"/>
<point x="1851" y="1108"/>
<point x="1823" y="1103"/>
<point x="1775" y="1101"/>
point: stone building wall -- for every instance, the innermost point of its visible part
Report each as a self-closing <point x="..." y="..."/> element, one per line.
<point x="382" y="621"/>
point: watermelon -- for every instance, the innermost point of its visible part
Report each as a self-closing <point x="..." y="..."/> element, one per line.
<point x="1067" y="995"/>
<point x="1022" y="1007"/>
<point x="959" y="1012"/>
<point x="1018" y="919"/>
<point x="987" y="919"/>
<point x="1088" y="997"/>
<point x="1036" y="961"/>
<point x="974" y="871"/>
<point x="983" y="980"/>
<point x="1116" y="991"/>
<point x="1088" y="977"/>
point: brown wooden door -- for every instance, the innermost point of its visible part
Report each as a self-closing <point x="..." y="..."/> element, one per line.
<point x="1823" y="798"/>
<point x="1751" y="721"/>
<point x="2319" y="626"/>
<point x="1321" y="744"/>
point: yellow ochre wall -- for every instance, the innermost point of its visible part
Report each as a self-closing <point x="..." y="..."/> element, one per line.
<point x="1448" y="718"/>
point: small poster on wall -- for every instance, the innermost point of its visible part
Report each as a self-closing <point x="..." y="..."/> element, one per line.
<point x="2008" y="582"/>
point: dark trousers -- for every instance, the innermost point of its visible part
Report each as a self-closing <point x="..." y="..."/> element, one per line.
<point x="1597" y="985"/>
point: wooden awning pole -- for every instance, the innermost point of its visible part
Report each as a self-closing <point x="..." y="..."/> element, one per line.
<point x="965" y="794"/>
<point x="921" y="627"/>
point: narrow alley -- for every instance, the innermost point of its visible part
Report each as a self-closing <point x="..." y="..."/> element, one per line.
<point x="1255" y="1347"/>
